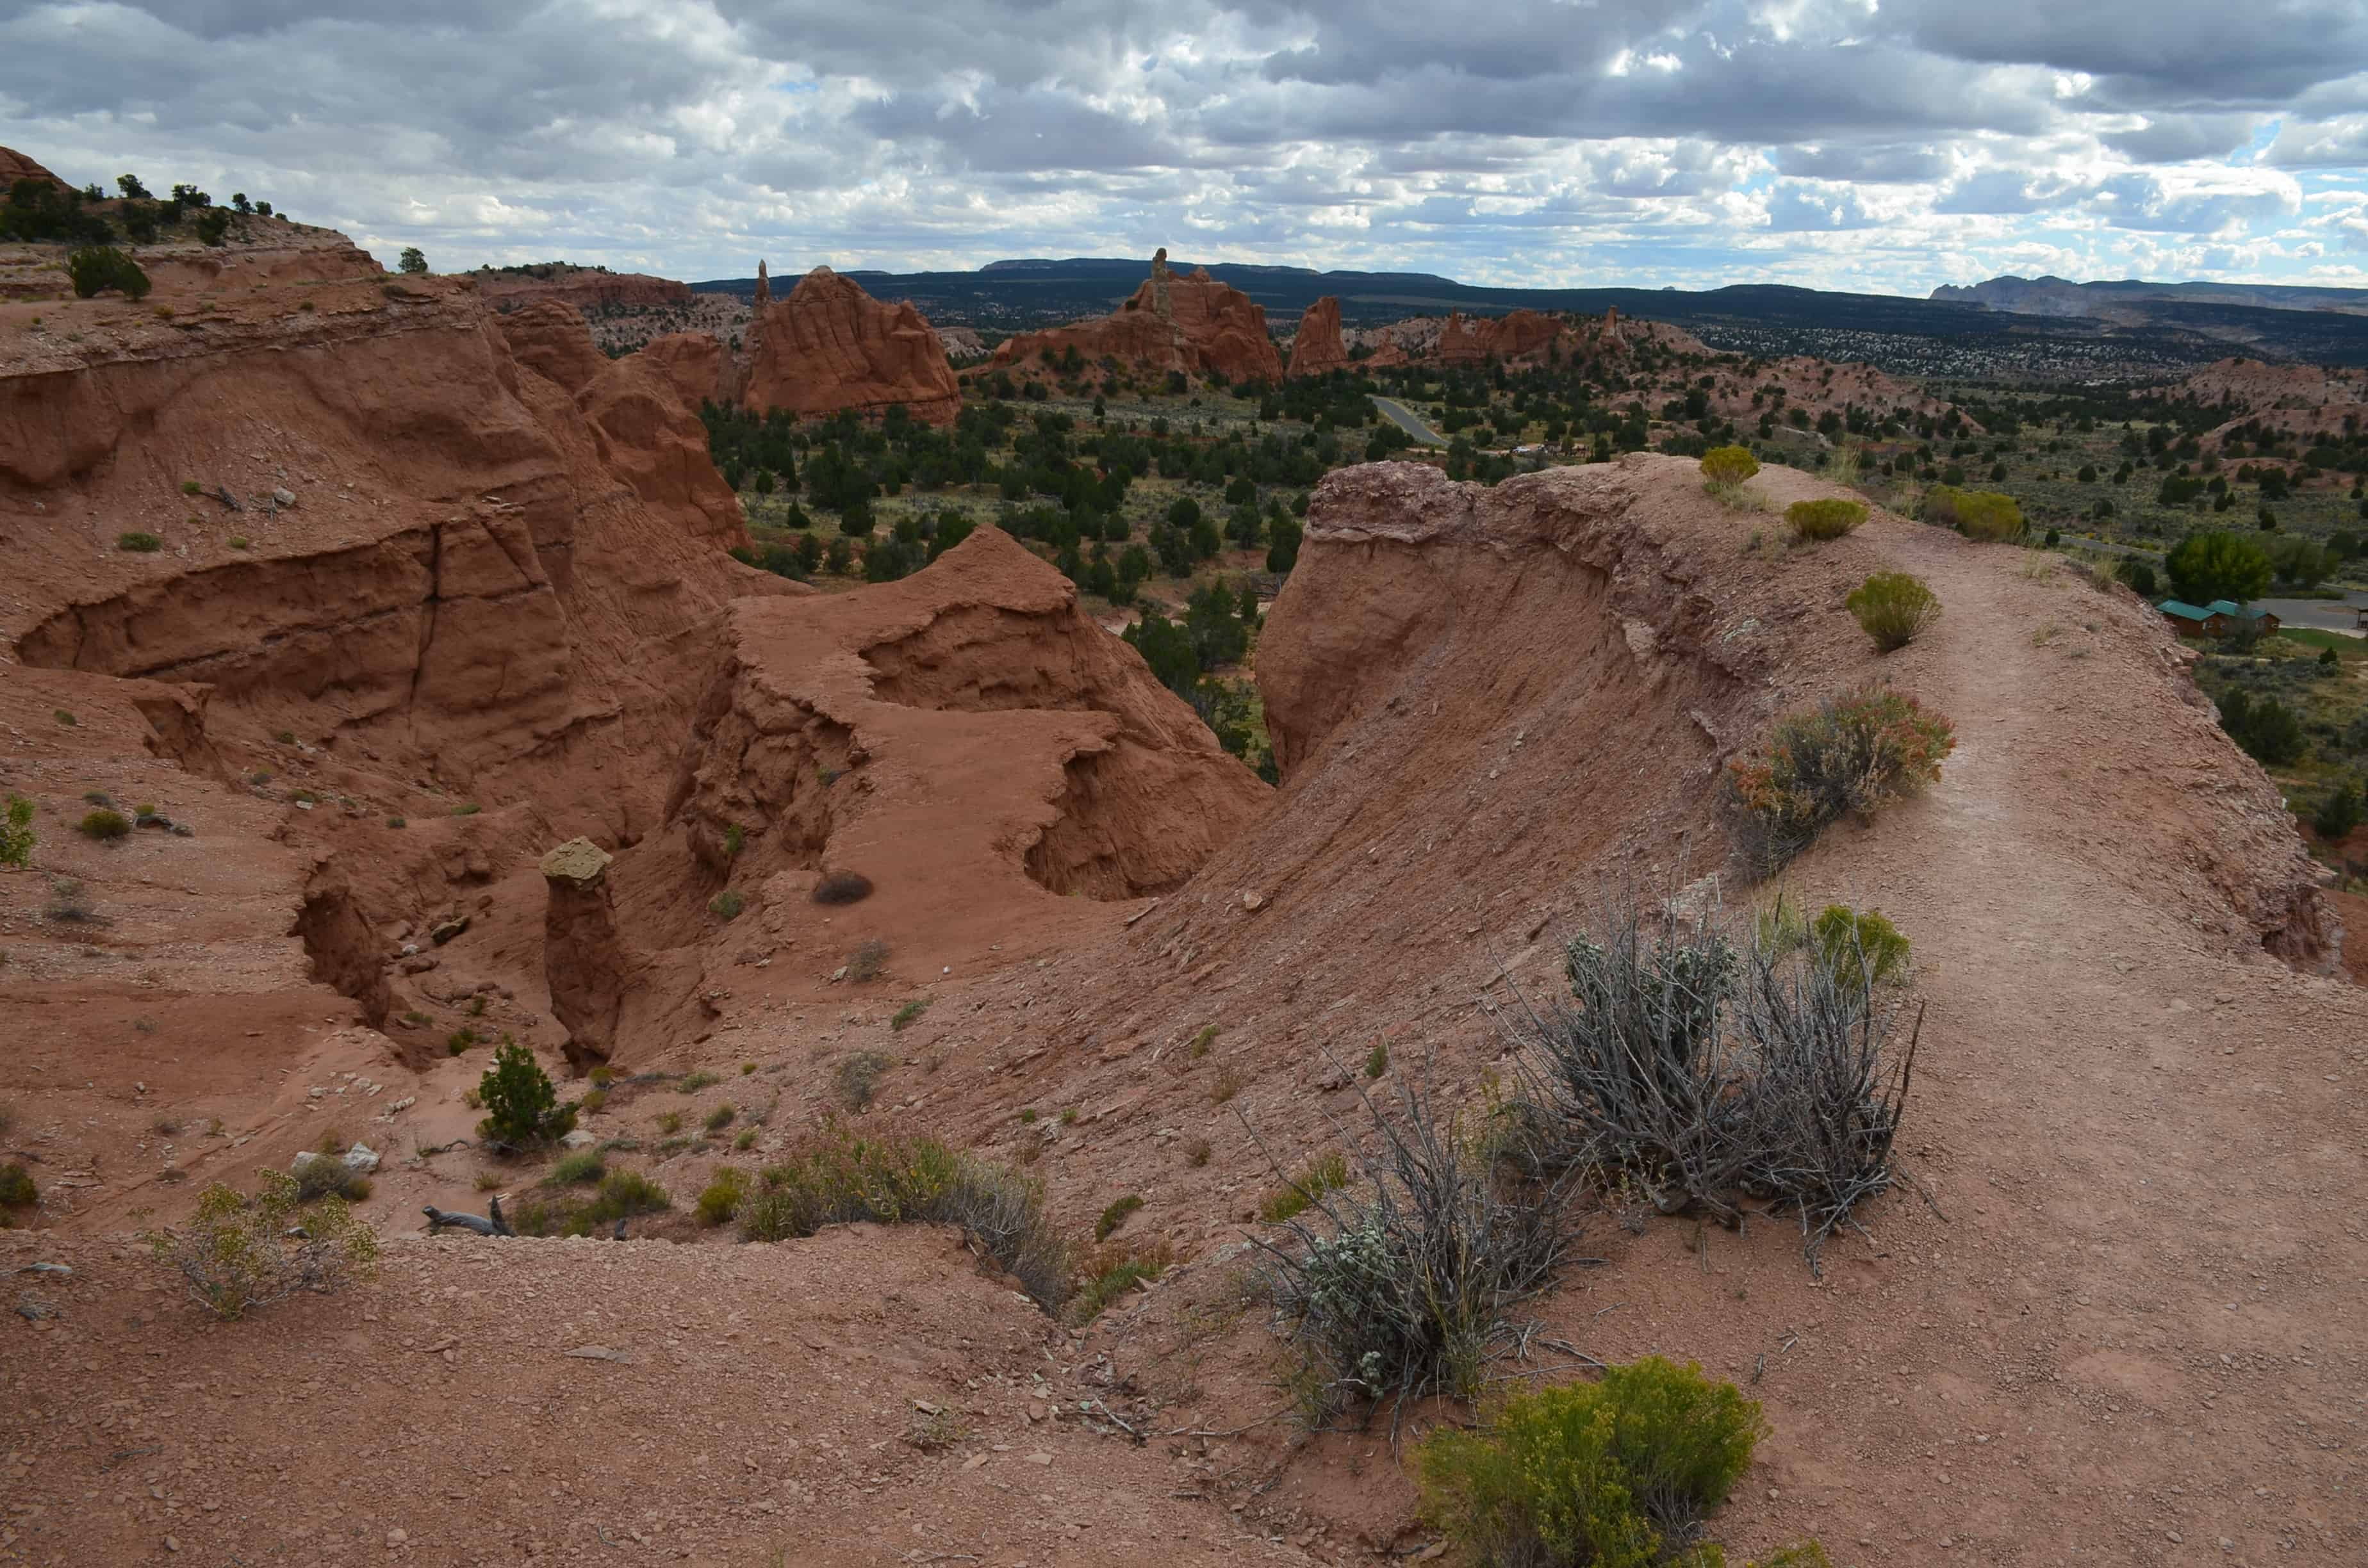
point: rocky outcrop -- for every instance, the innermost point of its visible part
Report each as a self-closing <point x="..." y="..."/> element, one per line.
<point x="643" y="413"/>
<point x="969" y="740"/>
<point x="1317" y="350"/>
<point x="764" y="295"/>
<point x="461" y="583"/>
<point x="1518" y="338"/>
<point x="15" y="167"/>
<point x="830" y="347"/>
<point x="585" y="963"/>
<point x="578" y="288"/>
<point x="1193" y="324"/>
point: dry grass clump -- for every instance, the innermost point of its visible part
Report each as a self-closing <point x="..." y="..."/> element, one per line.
<point x="1858" y="751"/>
<point x="840" y="1178"/>
<point x="1110" y="1273"/>
<point x="857" y="1078"/>
<point x="1893" y="608"/>
<point x="1326" y="1173"/>
<point x="868" y="961"/>
<point x="1395" y="1284"/>
<point x="621" y="1195"/>
<point x="1704" y="1067"/>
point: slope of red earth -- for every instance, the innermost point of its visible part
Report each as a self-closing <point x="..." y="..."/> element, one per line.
<point x="2137" y="1331"/>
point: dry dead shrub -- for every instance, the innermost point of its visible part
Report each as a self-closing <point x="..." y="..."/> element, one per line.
<point x="1858" y="751"/>
<point x="842" y="887"/>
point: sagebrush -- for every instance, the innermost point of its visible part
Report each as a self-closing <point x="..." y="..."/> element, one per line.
<point x="1828" y="519"/>
<point x="1858" y="751"/>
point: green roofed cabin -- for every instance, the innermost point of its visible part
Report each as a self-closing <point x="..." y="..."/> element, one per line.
<point x="2216" y="620"/>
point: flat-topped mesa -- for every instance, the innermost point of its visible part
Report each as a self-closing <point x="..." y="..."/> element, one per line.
<point x="1317" y="350"/>
<point x="829" y="346"/>
<point x="584" y="288"/>
<point x="1192" y="324"/>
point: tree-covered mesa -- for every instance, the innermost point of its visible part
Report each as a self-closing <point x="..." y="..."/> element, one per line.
<point x="36" y="212"/>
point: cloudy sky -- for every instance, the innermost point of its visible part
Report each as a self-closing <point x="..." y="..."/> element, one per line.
<point x="1840" y="144"/>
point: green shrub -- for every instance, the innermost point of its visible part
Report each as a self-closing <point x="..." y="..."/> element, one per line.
<point x="105" y="825"/>
<point x="1377" y="1061"/>
<point x="521" y="1107"/>
<point x="94" y="269"/>
<point x="576" y="1169"/>
<point x="2270" y="732"/>
<point x="16" y="837"/>
<point x="1723" y="468"/>
<point x="1855" y="942"/>
<point x="720" y="1200"/>
<point x="1616" y="1474"/>
<point x="1115" y="1215"/>
<point x="139" y="543"/>
<point x="735" y="840"/>
<point x="1829" y="518"/>
<point x="2340" y="813"/>
<point x="2218" y="564"/>
<point x="1983" y="515"/>
<point x="461" y="1041"/>
<point x="1893" y="609"/>
<point x="621" y="1196"/>
<point x="1857" y="751"/>
<point x="1326" y="1173"/>
<point x="17" y="1188"/>
<point x="907" y="1016"/>
<point x="727" y="904"/>
<point x="840" y="1178"/>
<point x="721" y="1118"/>
<point x="240" y="1253"/>
<point x="190" y="487"/>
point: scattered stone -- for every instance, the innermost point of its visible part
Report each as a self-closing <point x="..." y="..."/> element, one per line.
<point x="444" y="932"/>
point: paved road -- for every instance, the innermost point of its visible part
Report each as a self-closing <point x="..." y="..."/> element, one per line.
<point x="1406" y="419"/>
<point x="2326" y="615"/>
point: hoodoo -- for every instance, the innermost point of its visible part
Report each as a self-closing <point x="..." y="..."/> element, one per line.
<point x="830" y="347"/>
<point x="1317" y="349"/>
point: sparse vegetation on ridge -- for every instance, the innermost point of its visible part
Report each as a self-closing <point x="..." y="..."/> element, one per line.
<point x="1858" y="751"/>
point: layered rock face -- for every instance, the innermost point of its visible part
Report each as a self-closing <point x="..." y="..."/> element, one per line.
<point x="830" y="345"/>
<point x="580" y="288"/>
<point x="1317" y="349"/>
<point x="477" y="545"/>
<point x="969" y="740"/>
<point x="1194" y="324"/>
<point x="14" y="166"/>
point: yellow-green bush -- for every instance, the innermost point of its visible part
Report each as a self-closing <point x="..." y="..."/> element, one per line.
<point x="1612" y="1474"/>
<point x="1725" y="467"/>
<point x="1850" y="941"/>
<point x="1983" y="515"/>
<point x="1893" y="609"/>
<point x="1829" y="518"/>
<point x="1326" y="1173"/>
<point x="239" y="1253"/>
<point x="721" y="1198"/>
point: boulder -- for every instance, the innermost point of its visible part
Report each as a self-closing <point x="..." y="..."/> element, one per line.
<point x="830" y="347"/>
<point x="14" y="166"/>
<point x="1318" y="349"/>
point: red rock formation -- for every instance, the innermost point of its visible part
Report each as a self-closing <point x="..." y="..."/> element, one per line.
<point x="764" y="287"/>
<point x="830" y="345"/>
<point x="14" y="166"/>
<point x="970" y="741"/>
<point x="584" y="288"/>
<point x="1519" y="337"/>
<point x="585" y="963"/>
<point x="1194" y="324"/>
<point x="644" y="411"/>
<point x="549" y="339"/>
<point x="1317" y="349"/>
